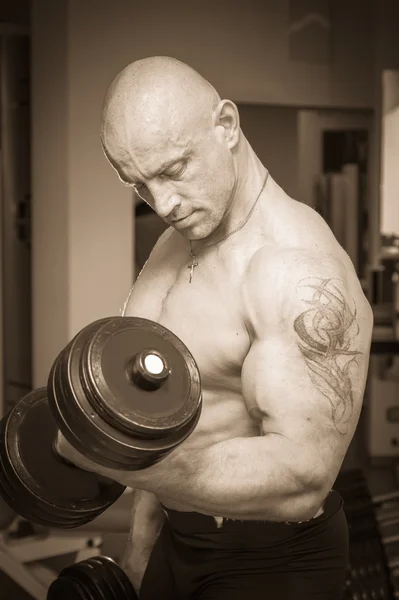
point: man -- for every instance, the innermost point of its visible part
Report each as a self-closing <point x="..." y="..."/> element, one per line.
<point x="257" y="287"/>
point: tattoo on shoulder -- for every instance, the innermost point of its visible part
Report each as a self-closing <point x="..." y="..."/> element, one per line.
<point x="326" y="332"/>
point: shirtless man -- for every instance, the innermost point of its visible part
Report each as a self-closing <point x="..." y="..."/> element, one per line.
<point x="257" y="287"/>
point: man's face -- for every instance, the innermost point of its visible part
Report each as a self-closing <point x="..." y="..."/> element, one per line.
<point x="186" y="174"/>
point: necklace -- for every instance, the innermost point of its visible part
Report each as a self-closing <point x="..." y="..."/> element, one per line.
<point x="194" y="262"/>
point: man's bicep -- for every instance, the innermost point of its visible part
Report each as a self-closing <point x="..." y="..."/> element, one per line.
<point x="287" y="386"/>
<point x="305" y="373"/>
<point x="282" y="395"/>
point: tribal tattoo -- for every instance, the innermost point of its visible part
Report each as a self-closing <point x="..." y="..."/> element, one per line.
<point x="326" y="332"/>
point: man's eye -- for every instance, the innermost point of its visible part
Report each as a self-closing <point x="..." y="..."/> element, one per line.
<point x="175" y="173"/>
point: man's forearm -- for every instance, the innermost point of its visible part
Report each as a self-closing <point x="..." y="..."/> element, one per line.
<point x="147" y="520"/>
<point x="263" y="478"/>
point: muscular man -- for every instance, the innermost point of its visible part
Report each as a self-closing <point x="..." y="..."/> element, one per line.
<point x="257" y="287"/>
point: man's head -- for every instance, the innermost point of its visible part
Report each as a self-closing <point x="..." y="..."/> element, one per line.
<point x="166" y="131"/>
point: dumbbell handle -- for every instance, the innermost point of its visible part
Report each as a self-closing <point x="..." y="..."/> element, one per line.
<point x="59" y="442"/>
<point x="62" y="447"/>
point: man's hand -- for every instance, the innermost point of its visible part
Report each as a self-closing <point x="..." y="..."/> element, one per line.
<point x="148" y="479"/>
<point x="67" y="452"/>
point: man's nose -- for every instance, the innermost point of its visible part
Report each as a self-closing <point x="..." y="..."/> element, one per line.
<point x="165" y="200"/>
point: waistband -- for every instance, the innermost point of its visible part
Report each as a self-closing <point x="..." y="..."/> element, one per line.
<point x="195" y="522"/>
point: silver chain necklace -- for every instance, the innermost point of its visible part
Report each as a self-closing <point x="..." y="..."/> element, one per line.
<point x="194" y="262"/>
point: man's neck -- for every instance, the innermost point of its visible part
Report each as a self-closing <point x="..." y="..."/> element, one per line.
<point x="250" y="178"/>
<point x="249" y="184"/>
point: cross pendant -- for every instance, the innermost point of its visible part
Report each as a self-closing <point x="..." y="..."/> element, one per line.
<point x="192" y="267"/>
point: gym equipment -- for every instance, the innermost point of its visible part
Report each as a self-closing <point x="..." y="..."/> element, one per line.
<point x="23" y="548"/>
<point x="97" y="578"/>
<point x="124" y="392"/>
<point x="39" y="485"/>
<point x="369" y="576"/>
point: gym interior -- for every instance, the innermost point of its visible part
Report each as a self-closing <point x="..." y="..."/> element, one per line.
<point x="317" y="86"/>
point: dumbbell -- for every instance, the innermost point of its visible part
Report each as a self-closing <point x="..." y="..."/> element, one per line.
<point x="97" y="578"/>
<point x="124" y="393"/>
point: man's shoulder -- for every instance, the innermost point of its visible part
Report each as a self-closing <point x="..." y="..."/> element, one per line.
<point x="284" y="263"/>
<point x="283" y="279"/>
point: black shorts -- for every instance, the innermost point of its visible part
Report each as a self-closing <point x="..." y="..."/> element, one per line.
<point x="195" y="559"/>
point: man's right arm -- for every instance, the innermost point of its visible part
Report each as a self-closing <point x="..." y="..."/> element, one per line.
<point x="147" y="520"/>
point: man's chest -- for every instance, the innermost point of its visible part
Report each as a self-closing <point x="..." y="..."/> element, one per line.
<point x="205" y="314"/>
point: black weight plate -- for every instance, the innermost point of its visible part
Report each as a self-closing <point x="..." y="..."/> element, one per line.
<point x="118" y="581"/>
<point x="122" y="577"/>
<point x="106" y="446"/>
<point x="108" y="577"/>
<point x="44" y="486"/>
<point x="10" y="490"/>
<point x="40" y="513"/>
<point x="91" y="578"/>
<point x="65" y="588"/>
<point x="86" y="428"/>
<point x="139" y="412"/>
<point x="79" y="424"/>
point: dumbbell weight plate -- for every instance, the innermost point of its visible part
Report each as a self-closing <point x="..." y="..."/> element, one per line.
<point x="83" y="578"/>
<point x="15" y="493"/>
<point x="150" y="414"/>
<point x="97" y="578"/>
<point x="109" y="583"/>
<point x="13" y="497"/>
<point x="116" y="577"/>
<point x="35" y="482"/>
<point x="102" y="411"/>
<point x="68" y="589"/>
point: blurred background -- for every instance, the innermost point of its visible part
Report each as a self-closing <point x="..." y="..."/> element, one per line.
<point x="317" y="86"/>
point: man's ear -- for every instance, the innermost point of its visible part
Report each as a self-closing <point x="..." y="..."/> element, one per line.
<point x="227" y="117"/>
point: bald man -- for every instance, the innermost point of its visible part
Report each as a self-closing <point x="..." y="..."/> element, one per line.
<point x="257" y="287"/>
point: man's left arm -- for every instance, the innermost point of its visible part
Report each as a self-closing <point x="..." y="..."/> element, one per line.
<point x="303" y="380"/>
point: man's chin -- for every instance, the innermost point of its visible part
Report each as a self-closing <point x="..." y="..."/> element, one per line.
<point x="192" y="230"/>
